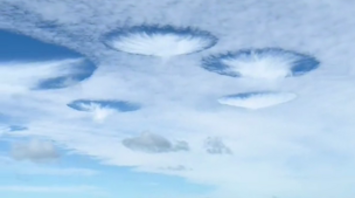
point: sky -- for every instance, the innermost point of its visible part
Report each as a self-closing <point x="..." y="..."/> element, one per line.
<point x="177" y="99"/>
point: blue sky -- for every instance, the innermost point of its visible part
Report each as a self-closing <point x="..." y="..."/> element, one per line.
<point x="140" y="99"/>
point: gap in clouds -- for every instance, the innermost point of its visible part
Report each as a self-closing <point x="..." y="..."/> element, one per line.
<point x="159" y="41"/>
<point x="103" y="108"/>
<point x="263" y="63"/>
<point x="29" y="63"/>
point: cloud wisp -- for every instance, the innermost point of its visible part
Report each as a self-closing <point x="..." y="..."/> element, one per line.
<point x="160" y="41"/>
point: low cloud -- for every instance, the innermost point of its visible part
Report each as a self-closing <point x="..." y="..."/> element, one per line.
<point x="214" y="145"/>
<point x="153" y="143"/>
<point x="35" y="151"/>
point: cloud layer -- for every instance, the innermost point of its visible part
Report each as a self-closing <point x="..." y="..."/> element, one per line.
<point x="278" y="151"/>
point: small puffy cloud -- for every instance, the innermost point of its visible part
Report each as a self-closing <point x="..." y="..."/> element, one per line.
<point x="35" y="151"/>
<point x="153" y="143"/>
<point x="214" y="145"/>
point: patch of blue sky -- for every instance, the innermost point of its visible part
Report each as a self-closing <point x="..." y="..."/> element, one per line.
<point x="265" y="63"/>
<point x="116" y="180"/>
<point x="91" y="105"/>
<point x="125" y="180"/>
<point x="83" y="70"/>
<point x="18" y="47"/>
<point x="160" y="41"/>
<point x="28" y="179"/>
<point x="19" y="51"/>
<point x="4" y="146"/>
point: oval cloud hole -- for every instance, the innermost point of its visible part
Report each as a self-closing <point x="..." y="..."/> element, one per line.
<point x="264" y="63"/>
<point x="160" y="41"/>
<point x="257" y="100"/>
<point x="103" y="108"/>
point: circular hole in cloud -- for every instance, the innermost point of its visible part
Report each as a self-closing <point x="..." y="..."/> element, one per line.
<point x="257" y="100"/>
<point x="103" y="108"/>
<point x="265" y="63"/>
<point x="160" y="41"/>
<point x="39" y="65"/>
